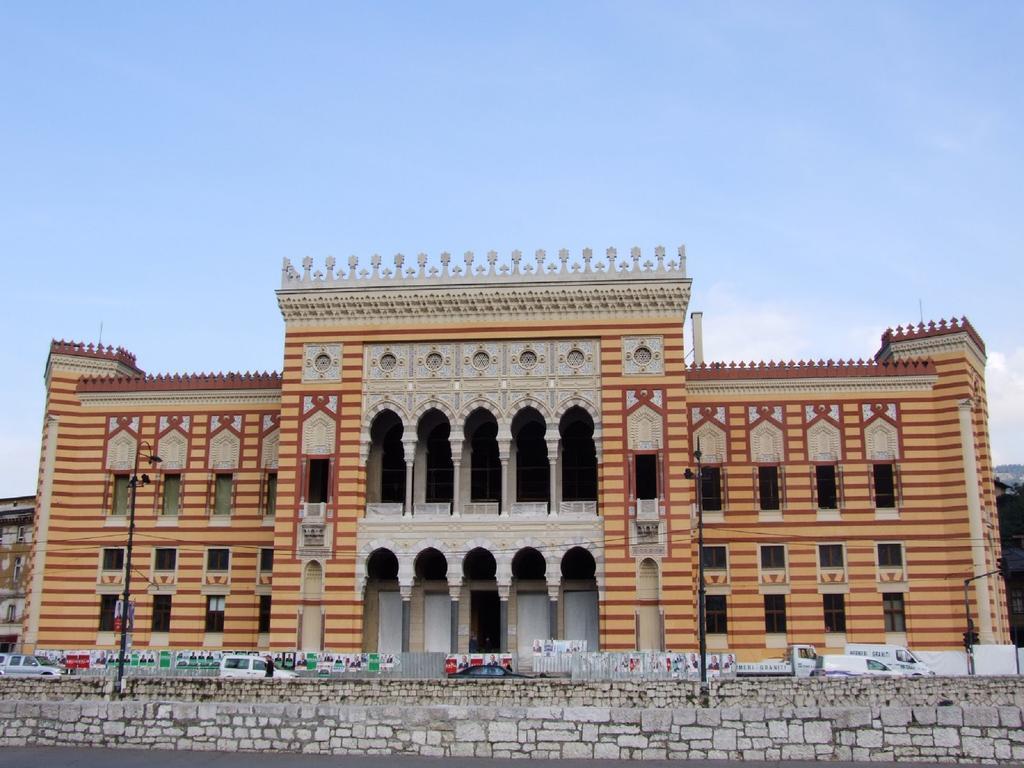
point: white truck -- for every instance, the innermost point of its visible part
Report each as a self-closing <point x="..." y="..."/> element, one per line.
<point x="898" y="658"/>
<point x="798" y="661"/>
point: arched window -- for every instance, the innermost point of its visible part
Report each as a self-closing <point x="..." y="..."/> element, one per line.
<point x="579" y="457"/>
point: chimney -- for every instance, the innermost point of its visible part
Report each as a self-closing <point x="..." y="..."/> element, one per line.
<point x="698" y="337"/>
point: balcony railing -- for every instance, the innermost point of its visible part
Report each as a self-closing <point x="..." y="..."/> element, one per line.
<point x="529" y="509"/>
<point x="577" y="509"/>
<point x="648" y="509"/>
<point x="387" y="511"/>
<point x="432" y="509"/>
<point x="481" y="509"/>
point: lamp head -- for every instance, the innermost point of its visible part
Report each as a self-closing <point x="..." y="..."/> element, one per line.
<point x="688" y="474"/>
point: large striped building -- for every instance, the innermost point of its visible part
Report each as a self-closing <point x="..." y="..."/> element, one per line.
<point x="481" y="455"/>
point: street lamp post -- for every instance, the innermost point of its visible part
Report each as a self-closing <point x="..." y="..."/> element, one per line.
<point x="133" y="483"/>
<point x="701" y="584"/>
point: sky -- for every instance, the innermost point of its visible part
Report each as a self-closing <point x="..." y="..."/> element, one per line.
<point x="833" y="168"/>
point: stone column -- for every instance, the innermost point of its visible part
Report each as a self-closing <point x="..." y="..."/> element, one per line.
<point x="456" y="503"/>
<point x="977" y="532"/>
<point x="553" y="590"/>
<point x="406" y="591"/>
<point x="553" y="476"/>
<point x="506" y="496"/>
<point x="409" y="448"/>
<point x="454" y="592"/>
<point x="503" y="591"/>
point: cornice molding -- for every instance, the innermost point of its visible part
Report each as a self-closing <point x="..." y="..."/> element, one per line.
<point x="828" y="386"/>
<point x="86" y="366"/>
<point x="932" y="346"/>
<point x="640" y="296"/>
<point x="189" y="397"/>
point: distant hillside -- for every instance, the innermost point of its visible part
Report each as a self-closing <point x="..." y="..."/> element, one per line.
<point x="1011" y="474"/>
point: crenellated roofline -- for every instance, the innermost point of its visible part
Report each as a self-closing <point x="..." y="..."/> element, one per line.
<point x="178" y="381"/>
<point x="809" y="369"/>
<point x="931" y="329"/>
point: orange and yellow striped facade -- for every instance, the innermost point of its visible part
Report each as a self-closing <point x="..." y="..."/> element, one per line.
<point x="920" y="409"/>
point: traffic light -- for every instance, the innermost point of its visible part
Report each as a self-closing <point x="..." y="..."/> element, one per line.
<point x="970" y="639"/>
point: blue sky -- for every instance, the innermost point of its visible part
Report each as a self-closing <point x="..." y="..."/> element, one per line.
<point x="829" y="165"/>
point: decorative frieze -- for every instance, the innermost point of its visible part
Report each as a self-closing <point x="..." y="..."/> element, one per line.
<point x="321" y="362"/>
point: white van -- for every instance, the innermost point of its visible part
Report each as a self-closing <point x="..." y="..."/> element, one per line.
<point x="27" y="665"/>
<point x="899" y="659"/>
<point x="846" y="666"/>
<point x="248" y="665"/>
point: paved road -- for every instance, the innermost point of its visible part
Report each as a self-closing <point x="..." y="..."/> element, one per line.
<point x="68" y="757"/>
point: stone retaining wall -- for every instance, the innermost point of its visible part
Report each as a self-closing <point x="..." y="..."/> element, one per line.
<point x="978" y="734"/>
<point x="775" y="692"/>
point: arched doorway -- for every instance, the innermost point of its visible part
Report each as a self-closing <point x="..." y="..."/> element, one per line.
<point x="434" y="472"/>
<point x="532" y="467"/>
<point x="383" y="601"/>
<point x="484" y="461"/>
<point x="532" y="602"/>
<point x="648" y="612"/>
<point x="578" y="459"/>
<point x="431" y="587"/>
<point x="479" y="570"/>
<point x="385" y="465"/>
<point x="580" y="616"/>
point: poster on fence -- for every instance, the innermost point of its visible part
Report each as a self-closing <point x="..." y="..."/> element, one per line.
<point x="551" y="647"/>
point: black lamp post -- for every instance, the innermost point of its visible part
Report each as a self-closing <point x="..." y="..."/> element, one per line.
<point x="701" y="585"/>
<point x="133" y="483"/>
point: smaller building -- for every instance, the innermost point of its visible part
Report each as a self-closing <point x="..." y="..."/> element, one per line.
<point x="16" y="522"/>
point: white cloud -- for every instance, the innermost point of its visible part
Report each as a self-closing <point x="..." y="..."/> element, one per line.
<point x="1004" y="381"/>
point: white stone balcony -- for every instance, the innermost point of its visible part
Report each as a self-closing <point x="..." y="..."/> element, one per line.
<point x="316" y="510"/>
<point x="577" y="509"/>
<point x="529" y="509"/>
<point x="432" y="509"/>
<point x="385" y="511"/>
<point x="481" y="509"/>
<point x="648" y="509"/>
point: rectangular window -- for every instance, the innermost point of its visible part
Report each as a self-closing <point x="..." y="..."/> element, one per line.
<point x="768" y="487"/>
<point x="267" y="560"/>
<point x="218" y="559"/>
<point x="113" y="559"/>
<point x="17" y="568"/>
<point x="12" y="613"/>
<point x="892" y="611"/>
<point x="120" y="496"/>
<point x="1017" y="601"/>
<point x="835" y="613"/>
<point x="222" y="489"/>
<point x="21" y="534"/>
<point x="270" y="503"/>
<point x="161" y="613"/>
<point x="775" y="614"/>
<point x="716" y="615"/>
<point x="319" y="469"/>
<point x="885" y="485"/>
<point x="890" y="555"/>
<point x="165" y="559"/>
<point x="107" y="605"/>
<point x="264" y="615"/>
<point x="773" y="557"/>
<point x="715" y="558"/>
<point x="646" y="468"/>
<point x="828" y="488"/>
<point x="711" y="488"/>
<point x="830" y="555"/>
<point x="215" y="613"/>
<point x="171" y="495"/>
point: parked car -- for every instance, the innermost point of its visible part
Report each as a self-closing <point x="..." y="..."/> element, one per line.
<point x="485" y="672"/>
<point x="848" y="666"/>
<point x="244" y="665"/>
<point x="25" y="665"/>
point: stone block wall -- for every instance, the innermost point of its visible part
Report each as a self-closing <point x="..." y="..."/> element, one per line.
<point x="941" y="734"/>
<point x="771" y="692"/>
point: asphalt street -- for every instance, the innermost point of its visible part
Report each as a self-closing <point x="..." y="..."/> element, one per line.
<point x="74" y="757"/>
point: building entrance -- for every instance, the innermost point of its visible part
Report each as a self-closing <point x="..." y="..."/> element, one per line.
<point x="484" y="620"/>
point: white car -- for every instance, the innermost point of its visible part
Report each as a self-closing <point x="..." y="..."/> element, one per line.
<point x="250" y="666"/>
<point x="25" y="665"/>
<point x="847" y="666"/>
